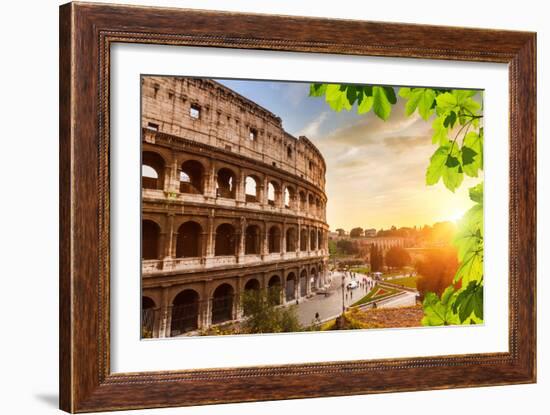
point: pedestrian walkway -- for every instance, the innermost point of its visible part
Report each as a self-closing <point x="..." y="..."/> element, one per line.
<point x="330" y="306"/>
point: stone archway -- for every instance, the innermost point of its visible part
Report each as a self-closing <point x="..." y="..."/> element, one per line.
<point x="225" y="240"/>
<point x="147" y="317"/>
<point x="303" y="283"/>
<point x="222" y="303"/>
<point x="185" y="312"/>
<point x="274" y="289"/>
<point x="290" y="287"/>
<point x="189" y="240"/>
<point x="150" y="235"/>
<point x="191" y="177"/>
<point x="251" y="289"/>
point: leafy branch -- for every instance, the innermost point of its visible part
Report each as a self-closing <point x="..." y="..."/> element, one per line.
<point x="454" y="112"/>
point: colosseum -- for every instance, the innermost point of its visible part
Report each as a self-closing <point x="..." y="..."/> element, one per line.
<point x="230" y="202"/>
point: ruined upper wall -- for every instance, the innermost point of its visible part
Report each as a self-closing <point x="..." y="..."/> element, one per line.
<point x="206" y="111"/>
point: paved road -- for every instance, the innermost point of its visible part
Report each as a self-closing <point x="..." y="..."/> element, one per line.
<point x="404" y="299"/>
<point x="331" y="305"/>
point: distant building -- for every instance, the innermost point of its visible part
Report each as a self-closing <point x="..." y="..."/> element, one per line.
<point x="370" y="233"/>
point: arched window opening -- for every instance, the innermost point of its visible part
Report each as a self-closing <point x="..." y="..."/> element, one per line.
<point x="274" y="290"/>
<point x="312" y="240"/>
<point x="150" y="233"/>
<point x="188" y="242"/>
<point x="314" y="280"/>
<point x="152" y="170"/>
<point x="225" y="184"/>
<point x="272" y="193"/>
<point x="185" y="312"/>
<point x="303" y="283"/>
<point x="191" y="177"/>
<point x="251" y="289"/>
<point x="303" y="240"/>
<point x="289" y="152"/>
<point x="289" y="197"/>
<point x="252" y="240"/>
<point x="274" y="238"/>
<point x="302" y="200"/>
<point x="290" y="240"/>
<point x="251" y="189"/>
<point x="290" y="289"/>
<point x="225" y="240"/>
<point x="319" y="239"/>
<point x="222" y="304"/>
<point x="147" y="317"/>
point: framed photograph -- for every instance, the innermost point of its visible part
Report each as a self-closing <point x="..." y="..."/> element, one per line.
<point x="253" y="208"/>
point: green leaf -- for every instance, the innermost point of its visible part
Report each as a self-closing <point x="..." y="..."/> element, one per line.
<point x="317" y="90"/>
<point x="440" y="132"/>
<point x="337" y="98"/>
<point x="452" y="174"/>
<point x="446" y="103"/>
<point x="390" y="94"/>
<point x="469" y="237"/>
<point x="469" y="301"/>
<point x="451" y="161"/>
<point x="468" y="155"/>
<point x="476" y="193"/>
<point x="450" y="120"/>
<point x="474" y="141"/>
<point x="351" y="94"/>
<point x="437" y="165"/>
<point x="381" y="105"/>
<point x="471" y="267"/>
<point x="412" y="103"/>
<point x="427" y="98"/>
<point x="439" y="312"/>
<point x="404" y="92"/>
<point x="453" y="177"/>
<point x="365" y="105"/>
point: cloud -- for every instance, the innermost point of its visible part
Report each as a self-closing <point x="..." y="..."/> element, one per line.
<point x="403" y="143"/>
<point x="369" y="130"/>
<point x="312" y="129"/>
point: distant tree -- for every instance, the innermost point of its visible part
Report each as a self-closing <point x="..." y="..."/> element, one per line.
<point x="356" y="232"/>
<point x="263" y="315"/>
<point x="332" y="249"/>
<point x="397" y="257"/>
<point x="436" y="271"/>
<point x="347" y="247"/>
<point x="376" y="259"/>
<point x="340" y="232"/>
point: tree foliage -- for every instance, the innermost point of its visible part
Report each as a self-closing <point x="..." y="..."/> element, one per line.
<point x="356" y="232"/>
<point x="397" y="257"/>
<point x="436" y="271"/>
<point x="456" y="119"/>
<point x="263" y="315"/>
<point x="376" y="258"/>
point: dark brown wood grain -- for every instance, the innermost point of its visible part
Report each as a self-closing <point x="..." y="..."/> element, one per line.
<point x="86" y="33"/>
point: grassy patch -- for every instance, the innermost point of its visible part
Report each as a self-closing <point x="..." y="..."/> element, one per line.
<point x="407" y="282"/>
<point x="377" y="293"/>
<point x="361" y="270"/>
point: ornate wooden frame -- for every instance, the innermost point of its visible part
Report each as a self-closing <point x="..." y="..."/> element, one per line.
<point x="86" y="33"/>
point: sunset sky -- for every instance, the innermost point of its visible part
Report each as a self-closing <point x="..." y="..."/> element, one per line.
<point x="375" y="169"/>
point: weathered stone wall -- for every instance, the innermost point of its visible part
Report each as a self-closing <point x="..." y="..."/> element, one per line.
<point x="226" y="120"/>
<point x="196" y="195"/>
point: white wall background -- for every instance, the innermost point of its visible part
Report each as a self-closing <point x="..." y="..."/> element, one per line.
<point x="28" y="219"/>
